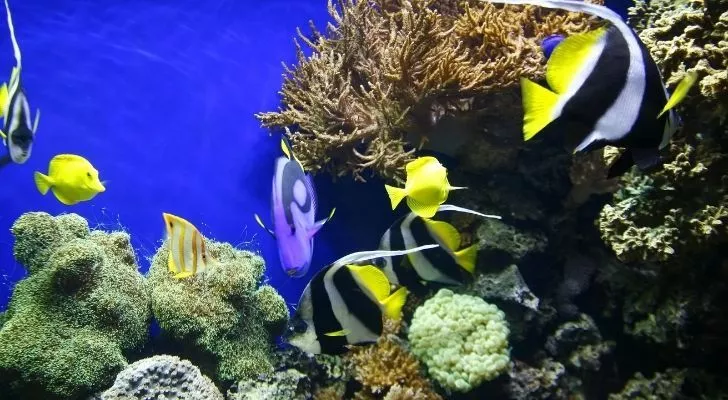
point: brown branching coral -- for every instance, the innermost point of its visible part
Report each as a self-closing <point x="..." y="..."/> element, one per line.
<point x="385" y="69"/>
<point x="387" y="368"/>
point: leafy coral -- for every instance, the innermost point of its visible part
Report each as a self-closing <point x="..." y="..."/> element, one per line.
<point x="83" y="305"/>
<point x="385" y="72"/>
<point x="223" y="313"/>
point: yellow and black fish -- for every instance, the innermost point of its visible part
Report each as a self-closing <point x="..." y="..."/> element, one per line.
<point x="605" y="89"/>
<point x="345" y="304"/>
<point x="188" y="254"/>
<point x="448" y="264"/>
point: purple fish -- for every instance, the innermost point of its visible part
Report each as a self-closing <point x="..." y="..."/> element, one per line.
<point x="550" y="42"/>
<point x="293" y="212"/>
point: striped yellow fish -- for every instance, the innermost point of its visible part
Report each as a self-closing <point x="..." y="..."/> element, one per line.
<point x="187" y="251"/>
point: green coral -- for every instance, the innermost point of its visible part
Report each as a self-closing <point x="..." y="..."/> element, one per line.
<point x="222" y="312"/>
<point x="82" y="306"/>
<point x="462" y="339"/>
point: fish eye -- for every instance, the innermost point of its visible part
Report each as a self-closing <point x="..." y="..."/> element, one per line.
<point x="88" y="174"/>
<point x="293" y="230"/>
<point x="299" y="326"/>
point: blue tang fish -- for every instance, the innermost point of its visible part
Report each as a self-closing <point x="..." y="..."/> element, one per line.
<point x="293" y="212"/>
<point x="550" y="42"/>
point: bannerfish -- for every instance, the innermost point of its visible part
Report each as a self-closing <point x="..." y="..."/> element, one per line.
<point x="293" y="212"/>
<point x="426" y="187"/>
<point x="17" y="133"/>
<point x="605" y="89"/>
<point x="188" y="254"/>
<point x="72" y="179"/>
<point x="345" y="304"/>
<point x="550" y="42"/>
<point x="448" y="264"/>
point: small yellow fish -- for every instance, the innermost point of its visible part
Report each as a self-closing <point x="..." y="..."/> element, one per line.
<point x="187" y="251"/>
<point x="426" y="188"/>
<point x="72" y="179"/>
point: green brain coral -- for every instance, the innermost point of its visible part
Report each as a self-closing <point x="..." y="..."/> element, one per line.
<point x="223" y="313"/>
<point x="462" y="339"/>
<point x="81" y="307"/>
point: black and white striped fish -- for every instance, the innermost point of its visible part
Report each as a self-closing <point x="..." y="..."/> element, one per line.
<point x="17" y="133"/>
<point x="448" y="264"/>
<point x="605" y="89"/>
<point x="345" y="304"/>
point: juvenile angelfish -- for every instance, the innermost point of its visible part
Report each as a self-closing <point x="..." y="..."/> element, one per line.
<point x="17" y="132"/>
<point x="426" y="187"/>
<point x="447" y="264"/>
<point x="293" y="212"/>
<point x="345" y="304"/>
<point x="188" y="254"/>
<point x="605" y="89"/>
<point x="72" y="179"/>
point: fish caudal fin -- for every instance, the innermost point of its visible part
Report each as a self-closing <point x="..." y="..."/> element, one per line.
<point x="680" y="92"/>
<point x="421" y="209"/>
<point x="42" y="182"/>
<point x="393" y="304"/>
<point x="538" y="106"/>
<point x="372" y="278"/>
<point x="395" y="195"/>
<point x="466" y="258"/>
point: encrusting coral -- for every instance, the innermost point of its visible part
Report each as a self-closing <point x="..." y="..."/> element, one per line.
<point x="222" y="313"/>
<point x="388" y="368"/>
<point x="83" y="305"/>
<point x="385" y="72"/>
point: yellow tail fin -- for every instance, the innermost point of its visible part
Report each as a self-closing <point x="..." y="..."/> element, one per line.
<point x="395" y="195"/>
<point x="394" y="303"/>
<point x="538" y="105"/>
<point x="467" y="257"/>
<point x="680" y="92"/>
<point x="42" y="182"/>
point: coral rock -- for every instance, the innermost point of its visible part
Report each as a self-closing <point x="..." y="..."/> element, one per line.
<point x="161" y="377"/>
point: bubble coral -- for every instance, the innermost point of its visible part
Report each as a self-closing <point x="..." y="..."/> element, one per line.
<point x="461" y="339"/>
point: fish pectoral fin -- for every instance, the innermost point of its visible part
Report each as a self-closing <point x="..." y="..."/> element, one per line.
<point x="42" y="182"/>
<point x="568" y="58"/>
<point x="538" y="107"/>
<point x="319" y="224"/>
<point x="372" y="278"/>
<point x="445" y="232"/>
<point x="393" y="304"/>
<point x="421" y="209"/>
<point x="5" y="137"/>
<point x="342" y="332"/>
<point x="262" y="225"/>
<point x="680" y="92"/>
<point x="466" y="258"/>
<point x="396" y="195"/>
<point x="36" y="120"/>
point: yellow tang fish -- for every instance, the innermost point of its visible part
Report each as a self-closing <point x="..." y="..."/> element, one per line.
<point x="187" y="251"/>
<point x="72" y="179"/>
<point x="426" y="188"/>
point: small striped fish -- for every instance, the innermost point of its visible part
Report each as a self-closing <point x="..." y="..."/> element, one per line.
<point x="187" y="251"/>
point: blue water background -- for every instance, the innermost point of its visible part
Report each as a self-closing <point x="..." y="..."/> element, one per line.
<point x="159" y="95"/>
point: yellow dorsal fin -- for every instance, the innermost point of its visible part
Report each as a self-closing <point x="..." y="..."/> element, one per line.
<point x="680" y="92"/>
<point x="342" y="332"/>
<point x="569" y="57"/>
<point x="538" y="107"/>
<point x="61" y="161"/>
<point x="445" y="232"/>
<point x="373" y="278"/>
<point x="466" y="258"/>
<point x="393" y="304"/>
<point x="284" y="147"/>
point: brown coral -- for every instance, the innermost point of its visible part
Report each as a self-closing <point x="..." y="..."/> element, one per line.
<point x="387" y="367"/>
<point x="385" y="72"/>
